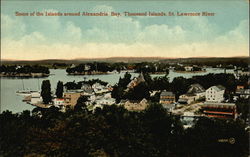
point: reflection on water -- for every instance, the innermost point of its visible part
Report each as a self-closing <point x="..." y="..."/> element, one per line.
<point x="9" y="86"/>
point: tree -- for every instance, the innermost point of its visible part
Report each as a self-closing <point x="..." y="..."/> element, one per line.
<point x="117" y="93"/>
<point x="81" y="103"/>
<point x="59" y="89"/>
<point x="46" y="92"/>
<point x="123" y="82"/>
<point x="179" y="86"/>
<point x="138" y="92"/>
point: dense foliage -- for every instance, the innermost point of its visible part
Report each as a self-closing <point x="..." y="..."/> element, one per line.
<point x="90" y="67"/>
<point x="145" y="67"/>
<point x="78" y="85"/>
<point x="59" y="89"/>
<point x="24" y="69"/>
<point x="116" y="132"/>
<point x="151" y="67"/>
<point x="46" y="92"/>
<point x="178" y="86"/>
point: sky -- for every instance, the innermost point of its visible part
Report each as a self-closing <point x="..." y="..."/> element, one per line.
<point x="59" y="37"/>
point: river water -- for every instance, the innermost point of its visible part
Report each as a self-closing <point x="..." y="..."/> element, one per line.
<point x="13" y="102"/>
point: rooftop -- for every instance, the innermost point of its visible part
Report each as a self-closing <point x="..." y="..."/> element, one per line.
<point x="219" y="105"/>
<point x="218" y="87"/>
<point x="195" y="88"/>
<point x="167" y="93"/>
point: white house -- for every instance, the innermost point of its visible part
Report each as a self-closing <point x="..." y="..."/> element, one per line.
<point x="104" y="101"/>
<point x="188" y="68"/>
<point x="215" y="94"/>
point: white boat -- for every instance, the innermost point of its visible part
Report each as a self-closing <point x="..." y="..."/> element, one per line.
<point x="25" y="92"/>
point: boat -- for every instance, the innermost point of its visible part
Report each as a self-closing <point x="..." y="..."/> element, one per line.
<point x="25" y="92"/>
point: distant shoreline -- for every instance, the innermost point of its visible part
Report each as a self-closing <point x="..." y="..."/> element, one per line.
<point x="29" y="75"/>
<point x="90" y="73"/>
<point x="190" y="71"/>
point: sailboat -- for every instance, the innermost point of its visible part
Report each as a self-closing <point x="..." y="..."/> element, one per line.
<point x="25" y="92"/>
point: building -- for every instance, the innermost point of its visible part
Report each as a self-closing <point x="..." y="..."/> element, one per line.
<point x="86" y="86"/>
<point x="188" y="68"/>
<point x="136" y="81"/>
<point x="244" y="72"/>
<point x="242" y="93"/>
<point x="219" y="110"/>
<point x="136" y="105"/>
<point x="196" y="89"/>
<point x="98" y="88"/>
<point x="167" y="97"/>
<point x="70" y="98"/>
<point x="58" y="102"/>
<point x="36" y="98"/>
<point x="215" y="94"/>
<point x="105" y="101"/>
<point x="188" y="119"/>
<point x="187" y="98"/>
<point x="169" y="107"/>
<point x="194" y="93"/>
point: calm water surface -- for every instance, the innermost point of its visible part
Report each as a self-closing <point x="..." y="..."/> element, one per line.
<point x="12" y="102"/>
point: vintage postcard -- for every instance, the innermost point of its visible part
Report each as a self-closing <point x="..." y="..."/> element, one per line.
<point x="124" y="78"/>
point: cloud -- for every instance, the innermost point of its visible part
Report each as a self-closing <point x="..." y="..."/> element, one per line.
<point x="61" y="38"/>
<point x="72" y="32"/>
<point x="162" y="34"/>
<point x="103" y="8"/>
<point x="236" y="36"/>
<point x="12" y="27"/>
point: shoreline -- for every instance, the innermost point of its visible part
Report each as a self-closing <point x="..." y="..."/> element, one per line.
<point x="90" y="73"/>
<point x="190" y="71"/>
<point x="23" y="75"/>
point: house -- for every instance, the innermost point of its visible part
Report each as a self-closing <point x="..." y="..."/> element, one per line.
<point x="215" y="94"/>
<point x="87" y="67"/>
<point x="86" y="86"/>
<point x="88" y="91"/>
<point x="58" y="102"/>
<point x="238" y="73"/>
<point x="109" y="87"/>
<point x="167" y="97"/>
<point x="219" y="110"/>
<point x="188" y="119"/>
<point x="35" y="98"/>
<point x="188" y="68"/>
<point x="98" y="88"/>
<point x="136" y="81"/>
<point x="195" y="92"/>
<point x="242" y="93"/>
<point x="70" y="98"/>
<point x="187" y="98"/>
<point x="103" y="101"/>
<point x="136" y="105"/>
<point x="169" y="107"/>
<point x="239" y="87"/>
